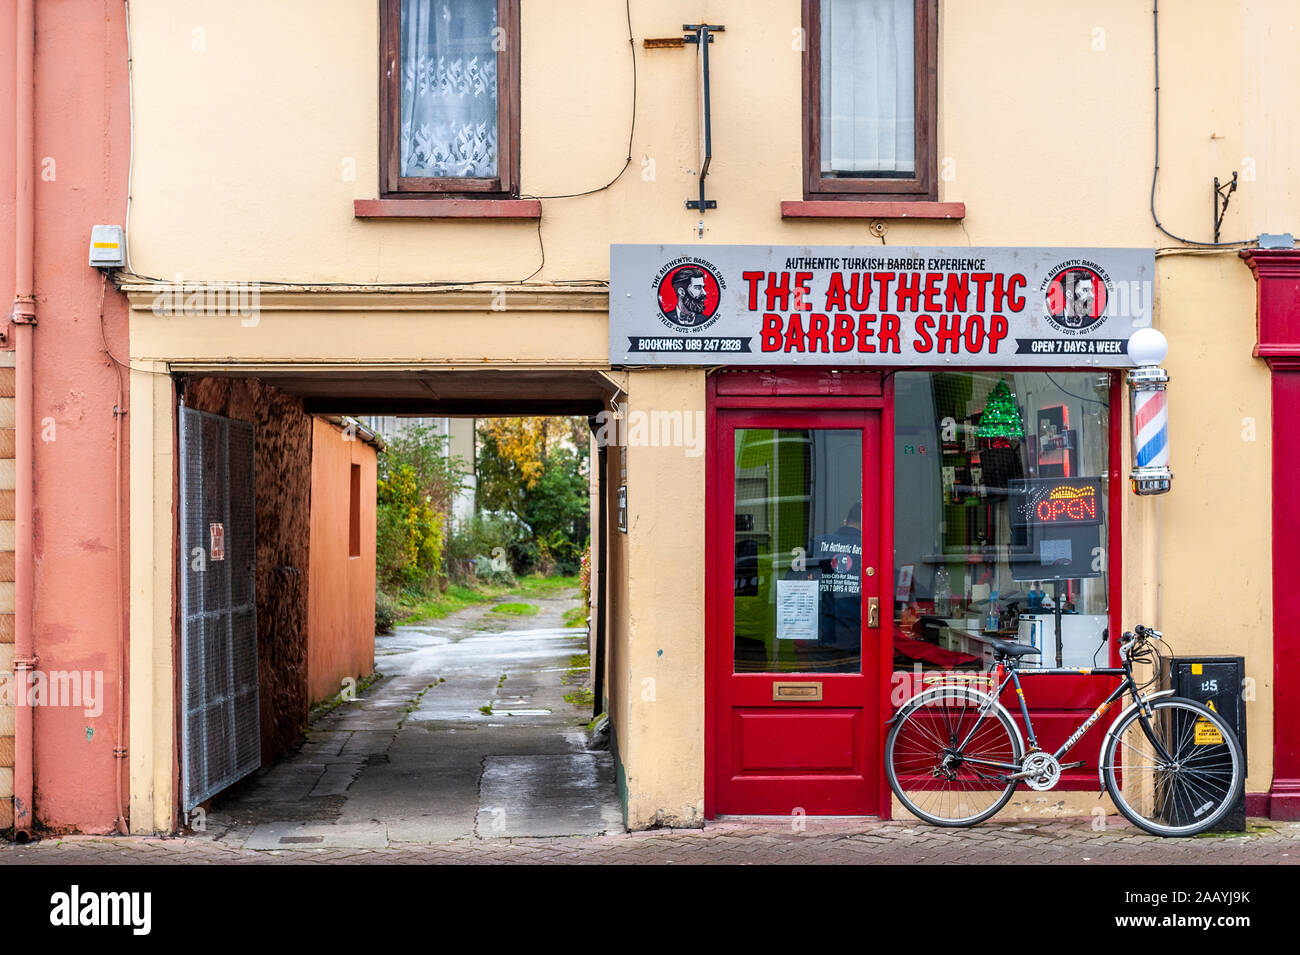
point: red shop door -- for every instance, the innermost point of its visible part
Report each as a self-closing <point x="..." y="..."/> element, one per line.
<point x="794" y="642"/>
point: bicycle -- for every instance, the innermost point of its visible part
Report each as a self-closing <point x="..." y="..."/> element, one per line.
<point x="954" y="755"/>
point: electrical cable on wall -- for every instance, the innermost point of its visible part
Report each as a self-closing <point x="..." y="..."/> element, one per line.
<point x="631" y="132"/>
<point x="1155" y="22"/>
<point x="626" y="163"/>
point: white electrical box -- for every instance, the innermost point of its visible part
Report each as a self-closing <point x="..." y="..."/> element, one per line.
<point x="107" y="247"/>
<point x="1081" y="639"/>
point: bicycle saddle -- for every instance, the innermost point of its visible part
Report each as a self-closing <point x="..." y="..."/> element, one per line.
<point x="1009" y="648"/>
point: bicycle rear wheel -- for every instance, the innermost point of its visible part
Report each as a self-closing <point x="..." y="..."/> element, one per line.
<point x="1191" y="789"/>
<point x="936" y="777"/>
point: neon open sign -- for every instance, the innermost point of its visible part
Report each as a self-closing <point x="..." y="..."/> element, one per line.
<point x="1068" y="505"/>
<point x="1058" y="502"/>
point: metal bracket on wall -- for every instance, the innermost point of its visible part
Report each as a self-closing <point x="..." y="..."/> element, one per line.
<point x="1223" y="192"/>
<point x="701" y="35"/>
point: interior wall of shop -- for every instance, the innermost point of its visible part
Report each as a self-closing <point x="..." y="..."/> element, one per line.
<point x="1029" y="170"/>
<point x="80" y="171"/>
<point x="340" y="587"/>
<point x="282" y="482"/>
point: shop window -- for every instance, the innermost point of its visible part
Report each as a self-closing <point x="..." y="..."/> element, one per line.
<point x="870" y="99"/>
<point x="449" y="103"/>
<point x="1000" y="517"/>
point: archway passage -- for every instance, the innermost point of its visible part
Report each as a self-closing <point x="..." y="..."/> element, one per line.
<point x="479" y="724"/>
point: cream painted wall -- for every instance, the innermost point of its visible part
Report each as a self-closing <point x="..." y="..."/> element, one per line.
<point x="661" y="730"/>
<point x="1212" y="587"/>
<point x="256" y="128"/>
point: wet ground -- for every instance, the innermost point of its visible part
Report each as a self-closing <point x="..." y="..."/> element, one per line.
<point x="467" y="737"/>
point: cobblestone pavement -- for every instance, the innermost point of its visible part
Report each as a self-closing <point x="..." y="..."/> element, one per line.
<point x="1069" y="841"/>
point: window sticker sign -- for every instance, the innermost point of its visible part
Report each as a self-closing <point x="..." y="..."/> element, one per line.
<point x="848" y="305"/>
<point x="216" y="541"/>
<point x="796" y="609"/>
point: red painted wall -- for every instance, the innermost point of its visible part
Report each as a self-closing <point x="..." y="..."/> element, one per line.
<point x="1277" y="274"/>
<point x="341" y="588"/>
<point x="81" y="174"/>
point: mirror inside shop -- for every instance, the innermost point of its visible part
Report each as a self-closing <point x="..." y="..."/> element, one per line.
<point x="1000" y="527"/>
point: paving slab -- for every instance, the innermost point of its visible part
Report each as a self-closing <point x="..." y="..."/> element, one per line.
<point x="547" y="796"/>
<point x="312" y="835"/>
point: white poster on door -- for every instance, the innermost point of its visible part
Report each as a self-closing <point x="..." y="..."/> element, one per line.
<point x="796" y="609"/>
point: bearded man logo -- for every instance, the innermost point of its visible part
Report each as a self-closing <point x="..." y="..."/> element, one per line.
<point x="688" y="284"/>
<point x="1076" y="299"/>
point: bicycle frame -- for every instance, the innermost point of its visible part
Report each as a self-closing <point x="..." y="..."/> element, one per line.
<point x="1013" y="678"/>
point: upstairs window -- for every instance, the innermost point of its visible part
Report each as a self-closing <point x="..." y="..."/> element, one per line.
<point x="869" y="99"/>
<point x="449" y="97"/>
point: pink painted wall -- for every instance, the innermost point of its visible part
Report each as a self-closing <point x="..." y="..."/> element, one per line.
<point x="81" y="157"/>
<point x="340" y="587"/>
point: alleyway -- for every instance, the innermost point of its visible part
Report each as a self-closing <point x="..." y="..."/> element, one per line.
<point x="467" y="736"/>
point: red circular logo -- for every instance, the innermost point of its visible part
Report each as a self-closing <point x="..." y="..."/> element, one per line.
<point x="689" y="295"/>
<point x="1076" y="298"/>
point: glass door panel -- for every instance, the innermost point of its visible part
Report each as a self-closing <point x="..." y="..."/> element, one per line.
<point x="798" y="550"/>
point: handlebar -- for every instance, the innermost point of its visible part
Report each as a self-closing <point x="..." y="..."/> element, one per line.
<point x="1141" y="634"/>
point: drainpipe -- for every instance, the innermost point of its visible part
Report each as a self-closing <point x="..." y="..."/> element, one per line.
<point x="24" y="324"/>
<point x="602" y="518"/>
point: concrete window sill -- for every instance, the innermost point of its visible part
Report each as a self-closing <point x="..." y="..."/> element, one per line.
<point x="447" y="208"/>
<point x="871" y="209"/>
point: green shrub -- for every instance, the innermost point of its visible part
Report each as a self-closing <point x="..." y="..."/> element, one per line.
<point x="584" y="577"/>
<point x="417" y="481"/>
<point x="479" y="548"/>
<point x="387" y="612"/>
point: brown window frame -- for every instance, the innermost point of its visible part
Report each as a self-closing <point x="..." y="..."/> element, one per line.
<point x="354" y="511"/>
<point x="392" y="184"/>
<point x="921" y="187"/>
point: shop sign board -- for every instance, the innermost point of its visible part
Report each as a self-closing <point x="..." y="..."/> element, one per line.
<point x="865" y="305"/>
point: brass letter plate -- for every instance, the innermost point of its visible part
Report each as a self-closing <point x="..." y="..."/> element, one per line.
<point x="796" y="691"/>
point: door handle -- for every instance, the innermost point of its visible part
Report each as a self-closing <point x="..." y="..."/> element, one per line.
<point x="873" y="612"/>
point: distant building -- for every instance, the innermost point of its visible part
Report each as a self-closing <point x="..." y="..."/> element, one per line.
<point x="462" y="442"/>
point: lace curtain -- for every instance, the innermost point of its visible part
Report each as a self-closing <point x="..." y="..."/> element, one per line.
<point x="449" y="88"/>
<point x="868" y="87"/>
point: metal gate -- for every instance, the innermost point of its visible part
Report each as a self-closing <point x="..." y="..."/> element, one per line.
<point x="221" y="733"/>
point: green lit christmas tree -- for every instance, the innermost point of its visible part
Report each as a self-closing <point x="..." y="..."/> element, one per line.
<point x="1001" y="417"/>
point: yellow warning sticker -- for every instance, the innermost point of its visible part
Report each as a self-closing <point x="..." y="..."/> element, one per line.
<point x="1197" y="669"/>
<point x="1207" y="733"/>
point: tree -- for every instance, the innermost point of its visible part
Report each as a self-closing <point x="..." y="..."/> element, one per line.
<point x="417" y="482"/>
<point x="537" y="470"/>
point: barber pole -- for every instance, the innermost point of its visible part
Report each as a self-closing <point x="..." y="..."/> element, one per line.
<point x="1150" y="429"/>
<point x="1150" y="413"/>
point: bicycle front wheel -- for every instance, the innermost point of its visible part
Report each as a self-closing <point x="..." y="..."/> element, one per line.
<point x="1178" y="774"/>
<point x="948" y="756"/>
